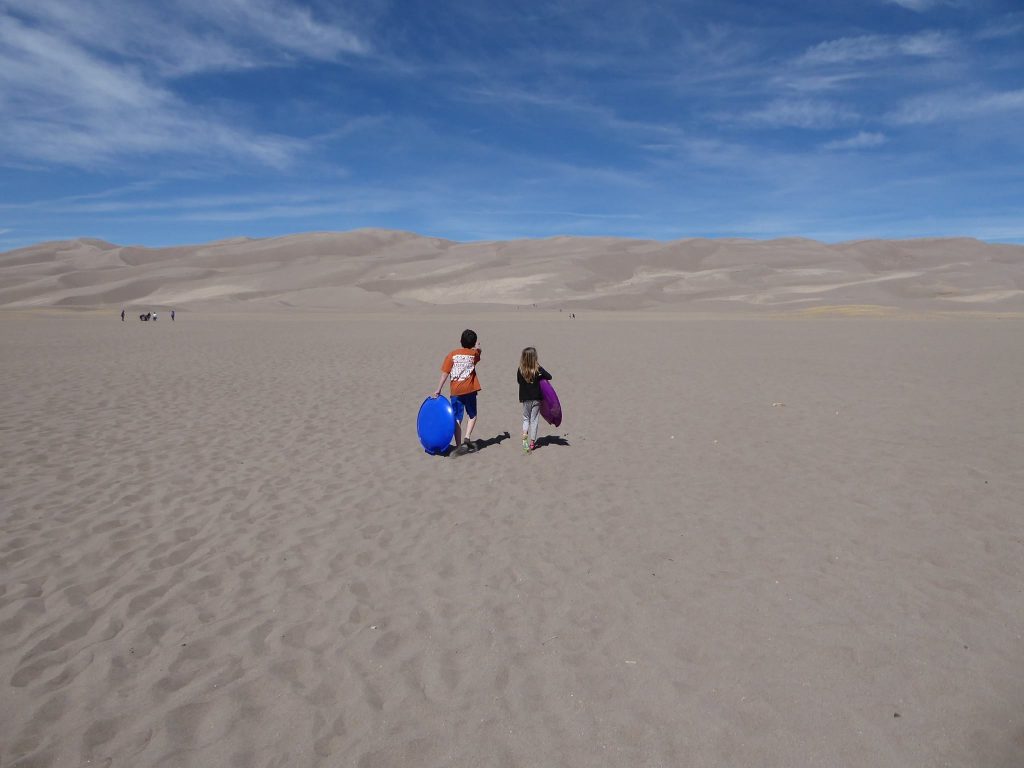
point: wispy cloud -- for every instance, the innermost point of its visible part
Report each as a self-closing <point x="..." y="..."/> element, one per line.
<point x="863" y="140"/>
<point x="87" y="85"/>
<point x="134" y="204"/>
<point x="593" y="117"/>
<point x="801" y="113"/>
<point x="134" y="188"/>
<point x="187" y="36"/>
<point x="922" y="5"/>
<point x="932" y="108"/>
<point x="280" y="26"/>
<point x="846" y="50"/>
<point x="811" y="83"/>
<point x="122" y="205"/>
<point x="841" y="68"/>
<point x="1006" y="26"/>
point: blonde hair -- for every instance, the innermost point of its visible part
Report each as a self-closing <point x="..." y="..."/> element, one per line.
<point x="528" y="365"/>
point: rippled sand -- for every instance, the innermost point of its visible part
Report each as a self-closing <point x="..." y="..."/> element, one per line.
<point x="753" y="542"/>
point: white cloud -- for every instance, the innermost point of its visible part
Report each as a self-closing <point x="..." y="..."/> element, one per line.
<point x="70" y="107"/>
<point x="926" y="44"/>
<point x="185" y="36"/>
<point x="133" y="188"/>
<point x="922" y="5"/>
<point x="846" y="50"/>
<point x="956" y="106"/>
<point x="280" y="25"/>
<point x="863" y="140"/>
<point x="125" y="204"/>
<point x="1009" y="25"/>
<point x="801" y="113"/>
<point x="811" y="83"/>
<point x="87" y="84"/>
<point x="183" y="203"/>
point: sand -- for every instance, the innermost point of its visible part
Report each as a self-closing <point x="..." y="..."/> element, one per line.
<point x="385" y="270"/>
<point x="752" y="542"/>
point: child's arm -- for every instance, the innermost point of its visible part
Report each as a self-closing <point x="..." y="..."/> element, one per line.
<point x="440" y="384"/>
<point x="543" y="374"/>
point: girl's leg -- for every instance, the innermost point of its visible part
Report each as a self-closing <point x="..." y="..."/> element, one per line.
<point x="526" y="424"/>
<point x="534" y="420"/>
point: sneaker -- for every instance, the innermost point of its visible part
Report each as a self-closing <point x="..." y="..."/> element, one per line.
<point x="533" y="446"/>
<point x="526" y="444"/>
<point x="469" y="445"/>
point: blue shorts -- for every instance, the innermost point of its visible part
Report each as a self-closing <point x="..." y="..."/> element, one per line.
<point x="464" y="403"/>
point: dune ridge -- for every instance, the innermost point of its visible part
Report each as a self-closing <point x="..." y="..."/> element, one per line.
<point x="384" y="270"/>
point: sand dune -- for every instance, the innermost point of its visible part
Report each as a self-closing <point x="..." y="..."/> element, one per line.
<point x="383" y="270"/>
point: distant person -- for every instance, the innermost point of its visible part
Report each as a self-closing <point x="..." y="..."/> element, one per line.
<point x="172" y="315"/>
<point x="122" y="315"/>
<point x="460" y="364"/>
<point x="529" y="376"/>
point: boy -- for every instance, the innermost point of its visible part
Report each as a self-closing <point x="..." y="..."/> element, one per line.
<point x="460" y="364"/>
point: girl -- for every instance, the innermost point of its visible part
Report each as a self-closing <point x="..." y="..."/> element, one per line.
<point x="529" y="375"/>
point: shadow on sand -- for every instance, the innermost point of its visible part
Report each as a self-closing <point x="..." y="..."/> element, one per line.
<point x="550" y="440"/>
<point x="479" y="444"/>
<point x="496" y="440"/>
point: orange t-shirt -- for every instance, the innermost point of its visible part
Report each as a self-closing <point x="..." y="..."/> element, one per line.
<point x="461" y="364"/>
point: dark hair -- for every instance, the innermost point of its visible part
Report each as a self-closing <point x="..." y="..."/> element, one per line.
<point x="468" y="338"/>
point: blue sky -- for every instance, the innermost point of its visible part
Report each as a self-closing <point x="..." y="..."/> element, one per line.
<point x="185" y="121"/>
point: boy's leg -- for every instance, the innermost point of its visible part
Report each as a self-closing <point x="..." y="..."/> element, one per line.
<point x="459" y="411"/>
<point x="470" y="402"/>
